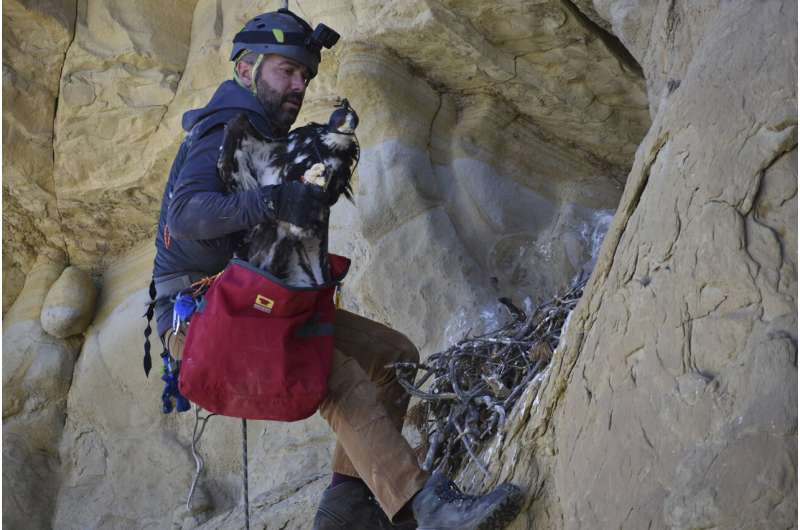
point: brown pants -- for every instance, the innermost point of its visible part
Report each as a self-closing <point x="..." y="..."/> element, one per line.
<point x="366" y="408"/>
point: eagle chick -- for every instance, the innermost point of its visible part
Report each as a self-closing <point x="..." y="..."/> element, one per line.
<point x="317" y="154"/>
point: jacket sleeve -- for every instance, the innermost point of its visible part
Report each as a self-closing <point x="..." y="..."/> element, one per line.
<point x="200" y="208"/>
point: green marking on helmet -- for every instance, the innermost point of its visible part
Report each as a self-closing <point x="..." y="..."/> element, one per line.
<point x="278" y="34"/>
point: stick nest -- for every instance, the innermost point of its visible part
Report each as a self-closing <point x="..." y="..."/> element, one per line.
<point x="472" y="386"/>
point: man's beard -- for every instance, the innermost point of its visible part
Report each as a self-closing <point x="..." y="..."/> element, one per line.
<point x="273" y="106"/>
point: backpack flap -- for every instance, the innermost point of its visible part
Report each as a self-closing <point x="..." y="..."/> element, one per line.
<point x="259" y="349"/>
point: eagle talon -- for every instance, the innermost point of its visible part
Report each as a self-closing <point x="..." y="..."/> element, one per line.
<point x="315" y="175"/>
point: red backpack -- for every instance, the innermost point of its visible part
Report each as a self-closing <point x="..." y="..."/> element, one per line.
<point x="259" y="349"/>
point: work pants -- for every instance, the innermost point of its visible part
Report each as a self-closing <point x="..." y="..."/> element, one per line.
<point x="366" y="407"/>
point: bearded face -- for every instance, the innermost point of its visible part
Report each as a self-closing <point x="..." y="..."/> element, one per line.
<point x="281" y="108"/>
<point x="280" y="87"/>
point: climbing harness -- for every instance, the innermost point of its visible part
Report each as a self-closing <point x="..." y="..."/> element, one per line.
<point x="168" y="288"/>
<point x="185" y="303"/>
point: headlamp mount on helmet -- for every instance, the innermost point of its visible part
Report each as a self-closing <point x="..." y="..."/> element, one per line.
<point x="282" y="32"/>
<point x="322" y="36"/>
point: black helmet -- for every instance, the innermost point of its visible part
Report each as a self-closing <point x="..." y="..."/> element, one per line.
<point x="284" y="33"/>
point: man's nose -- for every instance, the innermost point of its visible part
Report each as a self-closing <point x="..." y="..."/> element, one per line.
<point x="298" y="82"/>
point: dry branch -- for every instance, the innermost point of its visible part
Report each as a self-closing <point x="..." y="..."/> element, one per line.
<point x="473" y="385"/>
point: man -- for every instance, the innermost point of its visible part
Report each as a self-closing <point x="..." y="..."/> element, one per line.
<point x="275" y="56"/>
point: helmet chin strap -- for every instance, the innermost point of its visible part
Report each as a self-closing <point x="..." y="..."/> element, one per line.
<point x="253" y="74"/>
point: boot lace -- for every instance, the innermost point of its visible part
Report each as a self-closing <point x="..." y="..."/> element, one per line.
<point x="449" y="492"/>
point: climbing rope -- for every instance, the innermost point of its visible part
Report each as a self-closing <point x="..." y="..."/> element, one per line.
<point x="198" y="288"/>
<point x="199" y="427"/>
<point x="244" y="476"/>
<point x="198" y="460"/>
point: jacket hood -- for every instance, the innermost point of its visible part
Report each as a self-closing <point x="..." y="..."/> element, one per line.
<point x="229" y="100"/>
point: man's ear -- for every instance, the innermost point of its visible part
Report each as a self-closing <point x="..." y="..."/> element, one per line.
<point x="245" y="73"/>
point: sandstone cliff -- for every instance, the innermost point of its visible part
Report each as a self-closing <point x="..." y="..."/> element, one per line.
<point x="496" y="139"/>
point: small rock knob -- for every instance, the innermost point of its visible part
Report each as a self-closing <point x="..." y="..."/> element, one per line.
<point x="69" y="305"/>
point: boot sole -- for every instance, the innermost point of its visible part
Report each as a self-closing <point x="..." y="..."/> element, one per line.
<point x="505" y="512"/>
<point x="500" y="517"/>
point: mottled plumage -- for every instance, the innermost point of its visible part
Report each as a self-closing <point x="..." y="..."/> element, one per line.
<point x="317" y="154"/>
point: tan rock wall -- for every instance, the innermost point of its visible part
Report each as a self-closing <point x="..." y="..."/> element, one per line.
<point x="428" y="157"/>
<point x="672" y="403"/>
<point x="419" y="192"/>
<point x="496" y="137"/>
<point x="35" y="39"/>
<point x="120" y="104"/>
<point x="120" y="74"/>
<point x="37" y="372"/>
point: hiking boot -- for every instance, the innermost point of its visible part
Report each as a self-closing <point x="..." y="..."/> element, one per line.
<point x="440" y="505"/>
<point x="350" y="505"/>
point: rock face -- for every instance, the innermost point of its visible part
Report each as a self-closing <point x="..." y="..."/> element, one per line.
<point x="35" y="40"/>
<point x="496" y="139"/>
<point x="672" y="403"/>
<point x="688" y="350"/>
<point x="120" y="74"/>
<point x="37" y="372"/>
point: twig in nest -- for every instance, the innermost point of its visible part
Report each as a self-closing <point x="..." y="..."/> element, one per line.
<point x="472" y="386"/>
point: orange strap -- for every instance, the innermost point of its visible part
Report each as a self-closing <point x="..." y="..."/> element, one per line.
<point x="203" y="284"/>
